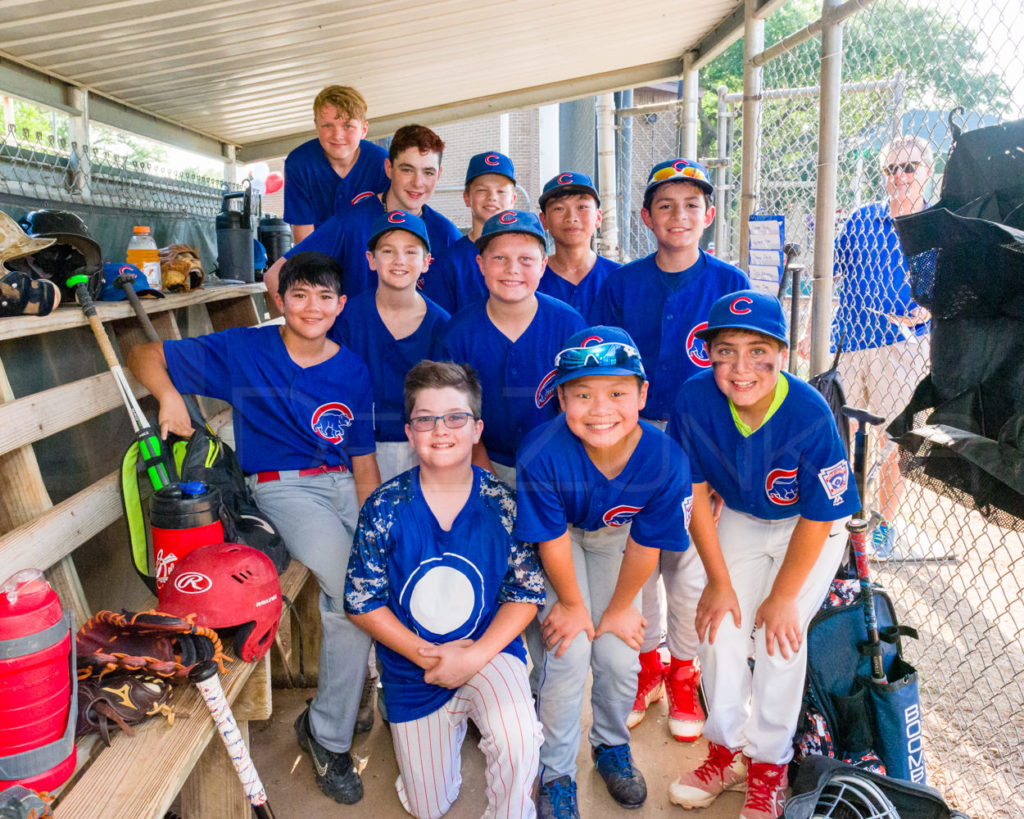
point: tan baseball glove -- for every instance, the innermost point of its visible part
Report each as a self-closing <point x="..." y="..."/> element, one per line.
<point x="180" y="268"/>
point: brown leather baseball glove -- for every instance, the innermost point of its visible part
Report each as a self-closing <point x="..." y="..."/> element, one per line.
<point x="180" y="268"/>
<point x="150" y="641"/>
<point x="120" y="700"/>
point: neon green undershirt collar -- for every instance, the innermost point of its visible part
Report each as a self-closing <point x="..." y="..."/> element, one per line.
<point x="781" y="391"/>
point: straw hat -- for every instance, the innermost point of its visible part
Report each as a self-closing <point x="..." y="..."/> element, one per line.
<point x="14" y="243"/>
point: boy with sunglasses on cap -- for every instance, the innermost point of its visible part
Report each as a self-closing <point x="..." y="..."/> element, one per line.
<point x="440" y="582"/>
<point x="767" y="443"/>
<point x="392" y="328"/>
<point x="663" y="301"/>
<point x="454" y="280"/>
<point x="303" y="409"/>
<point x="511" y="338"/>
<point x="570" y="211"/>
<point x="601" y="492"/>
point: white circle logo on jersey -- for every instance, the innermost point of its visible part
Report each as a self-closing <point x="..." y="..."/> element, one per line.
<point x="192" y="583"/>
<point x="696" y="349"/>
<point x="331" y="420"/>
<point x="741" y="305"/>
<point x="444" y="595"/>
<point x="781" y="487"/>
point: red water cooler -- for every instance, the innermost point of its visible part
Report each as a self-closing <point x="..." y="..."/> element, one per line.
<point x="38" y="699"/>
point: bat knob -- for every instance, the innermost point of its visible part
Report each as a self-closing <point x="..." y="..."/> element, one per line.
<point x="202" y="671"/>
<point x="856" y="525"/>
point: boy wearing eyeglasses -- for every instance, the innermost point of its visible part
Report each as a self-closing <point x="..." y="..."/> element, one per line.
<point x="392" y="328"/>
<point x="438" y="579"/>
<point x="511" y="338"/>
<point x="662" y="300"/>
<point x="601" y="492"/>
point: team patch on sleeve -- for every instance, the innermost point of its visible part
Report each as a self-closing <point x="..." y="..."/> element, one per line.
<point x="835" y="479"/>
<point x="687" y="509"/>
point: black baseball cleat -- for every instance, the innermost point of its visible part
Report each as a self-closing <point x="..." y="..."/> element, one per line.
<point x="335" y="773"/>
<point x="623" y="779"/>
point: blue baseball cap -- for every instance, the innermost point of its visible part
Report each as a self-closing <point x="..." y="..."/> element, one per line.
<point x="598" y="350"/>
<point x="679" y="170"/>
<point x="747" y="310"/>
<point x="510" y="221"/>
<point x="568" y="182"/>
<point x="114" y="270"/>
<point x="397" y="220"/>
<point x="490" y="162"/>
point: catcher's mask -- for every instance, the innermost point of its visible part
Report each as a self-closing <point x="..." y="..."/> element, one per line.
<point x="849" y="796"/>
<point x="227" y="585"/>
<point x="74" y="250"/>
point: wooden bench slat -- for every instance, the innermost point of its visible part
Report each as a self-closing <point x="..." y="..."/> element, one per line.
<point x="57" y="532"/>
<point x="37" y="416"/>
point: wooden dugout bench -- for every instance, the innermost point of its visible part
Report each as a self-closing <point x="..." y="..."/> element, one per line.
<point x="136" y="777"/>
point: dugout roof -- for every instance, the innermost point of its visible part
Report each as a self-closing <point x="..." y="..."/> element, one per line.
<point x="199" y="73"/>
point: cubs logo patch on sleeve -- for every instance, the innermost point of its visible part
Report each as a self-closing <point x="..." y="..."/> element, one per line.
<point x="696" y="350"/>
<point x="781" y="487"/>
<point x="835" y="479"/>
<point x="331" y="420"/>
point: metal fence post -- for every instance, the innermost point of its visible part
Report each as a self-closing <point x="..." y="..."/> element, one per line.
<point x="753" y="44"/>
<point x="606" y="174"/>
<point x="624" y="140"/>
<point x="691" y="92"/>
<point x="722" y="177"/>
<point x="825" y="212"/>
<point x="78" y="159"/>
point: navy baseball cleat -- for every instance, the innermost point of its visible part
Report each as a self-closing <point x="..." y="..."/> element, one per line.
<point x="335" y="773"/>
<point x="557" y="799"/>
<point x="624" y="781"/>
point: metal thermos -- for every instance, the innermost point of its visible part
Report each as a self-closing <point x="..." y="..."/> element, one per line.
<point x="234" y="237"/>
<point x="183" y="516"/>
<point x="275" y="234"/>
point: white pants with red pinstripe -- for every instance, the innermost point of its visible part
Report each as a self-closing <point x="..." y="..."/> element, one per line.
<point x="428" y="749"/>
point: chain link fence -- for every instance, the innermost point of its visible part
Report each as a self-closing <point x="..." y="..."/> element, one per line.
<point x="956" y="573"/>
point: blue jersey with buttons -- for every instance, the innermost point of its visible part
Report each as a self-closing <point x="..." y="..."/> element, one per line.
<point x="442" y="585"/>
<point x="360" y="328"/>
<point x="582" y="296"/>
<point x="558" y="486"/>
<point x="515" y="376"/>
<point x="344" y="237"/>
<point x="454" y="279"/>
<point x="663" y="312"/>
<point x="872" y="282"/>
<point x="314" y="192"/>
<point x="285" y="416"/>
<point x="794" y="464"/>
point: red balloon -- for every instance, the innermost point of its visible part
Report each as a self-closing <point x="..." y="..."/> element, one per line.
<point x="275" y="181"/>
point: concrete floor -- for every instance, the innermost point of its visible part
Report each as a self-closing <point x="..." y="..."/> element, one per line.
<point x="288" y="774"/>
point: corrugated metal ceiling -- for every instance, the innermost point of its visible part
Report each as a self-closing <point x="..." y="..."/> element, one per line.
<point x="246" y="71"/>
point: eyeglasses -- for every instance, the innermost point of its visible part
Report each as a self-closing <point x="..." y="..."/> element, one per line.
<point x="452" y="420"/>
<point x="907" y="168"/>
<point x="607" y="354"/>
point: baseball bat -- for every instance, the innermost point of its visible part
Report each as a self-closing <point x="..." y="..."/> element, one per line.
<point x="204" y="675"/>
<point x="125" y="283"/>
<point x="858" y="529"/>
<point x="155" y="456"/>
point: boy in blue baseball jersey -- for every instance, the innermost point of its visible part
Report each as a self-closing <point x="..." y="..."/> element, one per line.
<point x="767" y="443"/>
<point x="393" y="328"/>
<point x="303" y="408"/>
<point x="570" y="211"/>
<point x="440" y="582"/>
<point x="413" y="168"/>
<point x="455" y="280"/>
<point x="663" y="301"/>
<point x="600" y="492"/>
<point x="325" y="174"/>
<point x="511" y="338"/>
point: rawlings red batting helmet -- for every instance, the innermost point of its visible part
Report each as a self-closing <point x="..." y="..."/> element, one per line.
<point x="227" y="585"/>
